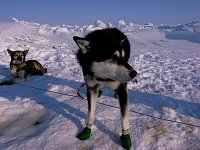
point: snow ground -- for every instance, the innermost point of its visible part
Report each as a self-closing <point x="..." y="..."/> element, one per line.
<point x="46" y="113"/>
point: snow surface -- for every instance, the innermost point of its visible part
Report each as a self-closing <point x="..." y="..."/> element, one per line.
<point x="46" y="113"/>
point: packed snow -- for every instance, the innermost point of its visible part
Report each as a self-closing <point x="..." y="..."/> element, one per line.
<point x="46" y="113"/>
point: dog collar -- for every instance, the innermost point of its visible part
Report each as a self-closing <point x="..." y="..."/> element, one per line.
<point x="87" y="78"/>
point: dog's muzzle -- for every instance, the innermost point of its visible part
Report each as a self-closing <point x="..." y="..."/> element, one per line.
<point x="132" y="72"/>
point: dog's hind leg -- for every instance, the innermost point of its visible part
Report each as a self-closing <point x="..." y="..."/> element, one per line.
<point x="92" y="93"/>
<point x="122" y="95"/>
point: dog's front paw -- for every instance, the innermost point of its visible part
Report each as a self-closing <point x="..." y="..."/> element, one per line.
<point x="85" y="134"/>
<point x="126" y="141"/>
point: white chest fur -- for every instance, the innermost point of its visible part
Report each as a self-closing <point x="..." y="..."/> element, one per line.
<point x="15" y="73"/>
<point x="13" y="70"/>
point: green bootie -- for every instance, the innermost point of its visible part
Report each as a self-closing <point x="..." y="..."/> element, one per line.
<point x="126" y="141"/>
<point x="85" y="134"/>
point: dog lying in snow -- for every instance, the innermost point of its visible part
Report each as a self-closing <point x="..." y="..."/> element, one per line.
<point x="103" y="56"/>
<point x="20" y="68"/>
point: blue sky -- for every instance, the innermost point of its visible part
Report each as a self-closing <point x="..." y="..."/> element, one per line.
<point x="82" y="12"/>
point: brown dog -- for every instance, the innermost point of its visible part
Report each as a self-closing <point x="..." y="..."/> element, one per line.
<point x="20" y="68"/>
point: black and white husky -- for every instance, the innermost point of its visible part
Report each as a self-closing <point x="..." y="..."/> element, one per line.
<point x="103" y="56"/>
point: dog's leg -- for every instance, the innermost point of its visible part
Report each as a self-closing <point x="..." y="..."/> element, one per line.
<point x="22" y="74"/>
<point x="92" y="93"/>
<point x="122" y="95"/>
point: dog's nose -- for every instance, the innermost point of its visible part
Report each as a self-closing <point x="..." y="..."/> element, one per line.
<point x="132" y="73"/>
<point x="20" y="59"/>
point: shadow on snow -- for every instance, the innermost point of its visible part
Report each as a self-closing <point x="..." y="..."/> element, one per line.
<point x="74" y="114"/>
<point x="41" y="97"/>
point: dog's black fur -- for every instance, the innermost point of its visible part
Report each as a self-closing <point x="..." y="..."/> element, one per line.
<point x="103" y="56"/>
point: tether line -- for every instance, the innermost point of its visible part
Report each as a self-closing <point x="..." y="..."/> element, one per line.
<point x="139" y="113"/>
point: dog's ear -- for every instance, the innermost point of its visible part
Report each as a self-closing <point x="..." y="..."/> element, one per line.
<point x="82" y="43"/>
<point x="25" y="52"/>
<point x="9" y="52"/>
